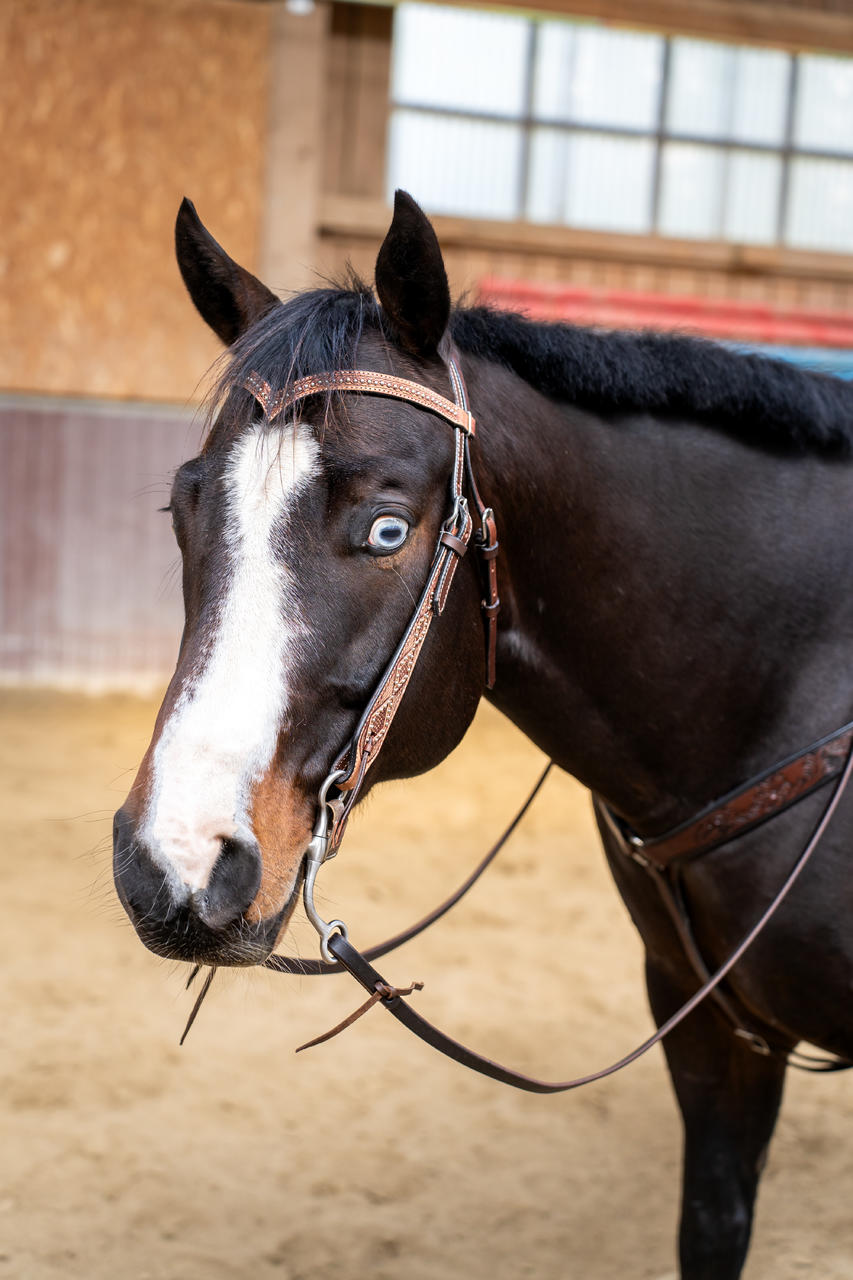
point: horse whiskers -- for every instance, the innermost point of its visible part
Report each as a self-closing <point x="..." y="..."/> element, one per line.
<point x="199" y="1000"/>
<point x="396" y="571"/>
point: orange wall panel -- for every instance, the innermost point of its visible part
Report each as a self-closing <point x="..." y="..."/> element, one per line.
<point x="112" y="110"/>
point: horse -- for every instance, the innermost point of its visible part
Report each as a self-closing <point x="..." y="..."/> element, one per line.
<point x="675" y="613"/>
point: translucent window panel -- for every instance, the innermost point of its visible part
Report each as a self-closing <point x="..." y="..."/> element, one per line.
<point x="820" y="205"/>
<point x="753" y="186"/>
<point x="590" y="75"/>
<point x="823" y="116"/>
<point x="718" y="91"/>
<point x="460" y="59"/>
<point x="454" y="165"/>
<point x="547" y="176"/>
<point x="700" y="86"/>
<point x="691" y="190"/>
<point x="590" y="180"/>
<point x="760" y="95"/>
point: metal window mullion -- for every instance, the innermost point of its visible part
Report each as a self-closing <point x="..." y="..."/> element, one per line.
<point x="727" y="151"/>
<point x="567" y="129"/>
<point x="787" y="151"/>
<point x="659" y="136"/>
<point x="526" y="122"/>
<point x="623" y="131"/>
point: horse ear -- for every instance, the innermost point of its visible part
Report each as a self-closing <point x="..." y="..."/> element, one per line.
<point x="227" y="296"/>
<point x="411" y="280"/>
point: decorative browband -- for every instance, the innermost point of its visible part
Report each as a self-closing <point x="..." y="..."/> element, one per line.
<point x="375" y="384"/>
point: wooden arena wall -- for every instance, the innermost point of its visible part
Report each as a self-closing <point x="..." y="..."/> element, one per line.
<point x="90" y="590"/>
<point x="352" y="212"/>
<point x="274" y="123"/>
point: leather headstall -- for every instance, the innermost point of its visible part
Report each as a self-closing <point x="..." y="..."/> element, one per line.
<point x="360" y="754"/>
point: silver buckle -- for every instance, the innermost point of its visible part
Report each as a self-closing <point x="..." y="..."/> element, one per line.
<point x="636" y="844"/>
<point x="756" y="1042"/>
<point x="458" y="518"/>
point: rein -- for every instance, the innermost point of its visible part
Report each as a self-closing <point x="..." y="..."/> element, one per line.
<point x="742" y="810"/>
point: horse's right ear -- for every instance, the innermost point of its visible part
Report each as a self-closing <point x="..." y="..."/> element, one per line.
<point x="227" y="296"/>
<point x="411" y="280"/>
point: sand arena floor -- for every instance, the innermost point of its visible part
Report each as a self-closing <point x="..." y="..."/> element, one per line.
<point x="124" y="1157"/>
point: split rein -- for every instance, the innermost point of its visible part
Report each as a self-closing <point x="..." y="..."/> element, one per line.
<point x="739" y="812"/>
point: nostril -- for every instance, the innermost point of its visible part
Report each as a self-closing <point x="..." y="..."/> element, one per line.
<point x="233" y="884"/>
<point x="143" y="887"/>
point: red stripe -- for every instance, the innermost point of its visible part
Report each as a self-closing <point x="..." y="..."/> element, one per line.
<point x="714" y="317"/>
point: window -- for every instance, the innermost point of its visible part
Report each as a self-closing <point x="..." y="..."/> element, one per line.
<point x="501" y="116"/>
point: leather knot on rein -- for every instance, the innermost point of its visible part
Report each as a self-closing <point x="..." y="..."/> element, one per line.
<point x="383" y="991"/>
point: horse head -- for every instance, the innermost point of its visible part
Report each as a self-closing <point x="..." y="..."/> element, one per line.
<point x="306" y="536"/>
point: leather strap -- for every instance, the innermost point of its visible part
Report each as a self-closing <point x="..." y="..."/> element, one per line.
<point x="486" y="542"/>
<point x="316" y="968"/>
<point x="363" y="749"/>
<point x="361" y="753"/>
<point x="671" y="891"/>
<point x="744" y="808"/>
<point x="373" y="982"/>
<point x="374" y="384"/>
<point x="488" y="547"/>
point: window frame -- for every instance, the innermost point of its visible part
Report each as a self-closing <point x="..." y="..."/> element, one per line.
<point x="787" y="150"/>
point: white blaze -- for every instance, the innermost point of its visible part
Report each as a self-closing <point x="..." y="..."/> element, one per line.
<point x="222" y="731"/>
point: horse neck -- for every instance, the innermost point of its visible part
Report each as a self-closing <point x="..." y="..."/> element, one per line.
<point x="660" y="597"/>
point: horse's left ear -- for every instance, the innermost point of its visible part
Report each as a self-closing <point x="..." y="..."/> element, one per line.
<point x="411" y="280"/>
<point x="226" y="295"/>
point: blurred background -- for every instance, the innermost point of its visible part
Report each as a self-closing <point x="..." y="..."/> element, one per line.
<point x="639" y="163"/>
<point x="626" y="162"/>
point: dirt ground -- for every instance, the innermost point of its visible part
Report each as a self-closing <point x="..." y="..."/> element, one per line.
<point x="124" y="1157"/>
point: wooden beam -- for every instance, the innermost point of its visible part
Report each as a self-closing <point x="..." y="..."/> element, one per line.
<point x="794" y="26"/>
<point x="351" y="218"/>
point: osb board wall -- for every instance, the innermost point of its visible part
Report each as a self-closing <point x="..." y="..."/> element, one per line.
<point x="112" y="110"/>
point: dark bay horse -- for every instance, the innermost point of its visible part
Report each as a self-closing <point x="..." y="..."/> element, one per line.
<point x="677" y="610"/>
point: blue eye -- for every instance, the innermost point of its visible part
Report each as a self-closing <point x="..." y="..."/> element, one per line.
<point x="388" y="534"/>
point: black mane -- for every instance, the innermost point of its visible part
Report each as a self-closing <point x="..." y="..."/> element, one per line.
<point x="767" y="402"/>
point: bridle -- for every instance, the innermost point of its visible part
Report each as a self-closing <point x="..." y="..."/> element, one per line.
<point x="340" y="789"/>
<point x="662" y="857"/>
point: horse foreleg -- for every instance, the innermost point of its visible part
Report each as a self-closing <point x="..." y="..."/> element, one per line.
<point x="729" y="1098"/>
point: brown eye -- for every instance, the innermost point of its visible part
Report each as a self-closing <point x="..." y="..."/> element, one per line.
<point x="388" y="534"/>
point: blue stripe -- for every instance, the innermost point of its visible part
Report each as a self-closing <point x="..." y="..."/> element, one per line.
<point x="823" y="359"/>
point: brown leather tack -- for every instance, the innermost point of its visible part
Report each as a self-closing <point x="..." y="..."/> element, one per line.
<point x="749" y="806"/>
<point x="455" y="544"/>
<point x="735" y="814"/>
<point x="377" y="384"/>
